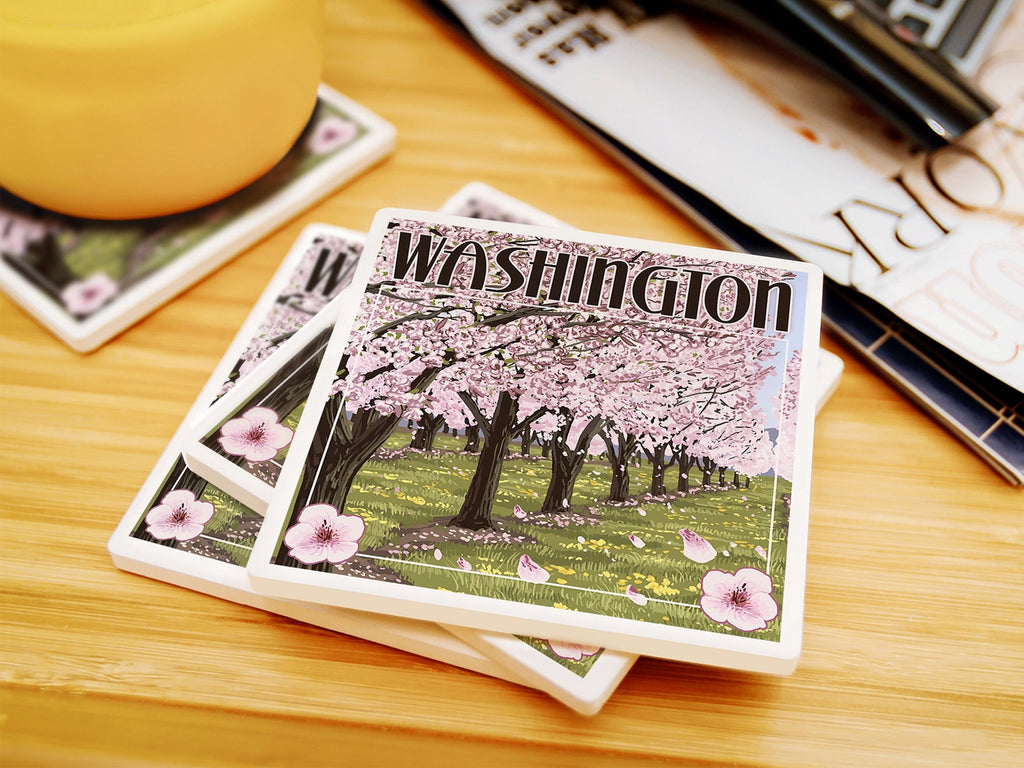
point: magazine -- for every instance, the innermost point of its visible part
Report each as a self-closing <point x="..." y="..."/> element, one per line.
<point x="923" y="252"/>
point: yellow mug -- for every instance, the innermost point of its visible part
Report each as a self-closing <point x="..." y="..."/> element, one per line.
<point x="122" y="109"/>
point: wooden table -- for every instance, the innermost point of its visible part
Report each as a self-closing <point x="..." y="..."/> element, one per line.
<point x="914" y="639"/>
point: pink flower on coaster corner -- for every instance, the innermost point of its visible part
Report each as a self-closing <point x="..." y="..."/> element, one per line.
<point x="83" y="297"/>
<point x="696" y="547"/>
<point x="178" y="516"/>
<point x="573" y="651"/>
<point x="530" y="571"/>
<point x="255" y="435"/>
<point x="324" y="534"/>
<point x="742" y="599"/>
<point x="330" y="134"/>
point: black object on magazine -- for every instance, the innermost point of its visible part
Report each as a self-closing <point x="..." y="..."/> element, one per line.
<point x="880" y="60"/>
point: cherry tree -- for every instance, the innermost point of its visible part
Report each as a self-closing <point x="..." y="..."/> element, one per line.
<point x="512" y="360"/>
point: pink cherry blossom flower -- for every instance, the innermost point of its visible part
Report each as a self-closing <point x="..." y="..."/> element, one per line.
<point x="636" y="541"/>
<point x="330" y="134"/>
<point x="256" y="435"/>
<point x="696" y="547"/>
<point x="742" y="599"/>
<point x="322" y="533"/>
<point x="760" y="550"/>
<point x="530" y="571"/>
<point x="574" y="651"/>
<point x="437" y="554"/>
<point x="83" y="297"/>
<point x="178" y="516"/>
<point x="636" y="597"/>
<point x="464" y="564"/>
<point x="518" y="512"/>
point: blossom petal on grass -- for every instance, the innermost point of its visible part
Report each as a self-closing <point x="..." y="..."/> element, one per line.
<point x="323" y="534"/>
<point x="530" y="571"/>
<point x="573" y="651"/>
<point x="636" y="541"/>
<point x="518" y="512"/>
<point x="464" y="564"/>
<point x="696" y="547"/>
<point x="255" y="435"/>
<point x="636" y="597"/>
<point x="179" y="515"/>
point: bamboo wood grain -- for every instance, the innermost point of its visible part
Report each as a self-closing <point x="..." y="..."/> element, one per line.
<point x="914" y="641"/>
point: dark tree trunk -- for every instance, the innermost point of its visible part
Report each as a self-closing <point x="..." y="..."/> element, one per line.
<point x="566" y="463"/>
<point x="346" y="453"/>
<point x="721" y="477"/>
<point x="685" y="461"/>
<point x="735" y="479"/>
<point x="423" y="437"/>
<point x="657" y="459"/>
<point x="707" y="467"/>
<point x="619" y="454"/>
<point x="525" y="442"/>
<point x="476" y="507"/>
<point x="344" y="446"/>
<point x="472" y="439"/>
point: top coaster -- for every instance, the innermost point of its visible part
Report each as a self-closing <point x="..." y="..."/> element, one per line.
<point x="643" y="415"/>
<point x="88" y="280"/>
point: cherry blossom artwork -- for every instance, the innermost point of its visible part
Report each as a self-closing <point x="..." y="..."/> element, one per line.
<point x="567" y="422"/>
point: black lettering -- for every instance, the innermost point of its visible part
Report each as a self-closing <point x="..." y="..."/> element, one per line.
<point x="537" y="271"/>
<point x="669" y="295"/>
<point x="476" y="252"/>
<point x="713" y="294"/>
<point x="425" y="255"/>
<point x="327" y="272"/>
<point x="597" y="282"/>
<point x="579" y="277"/>
<point x="693" y="292"/>
<point x="506" y="265"/>
<point x="783" y="308"/>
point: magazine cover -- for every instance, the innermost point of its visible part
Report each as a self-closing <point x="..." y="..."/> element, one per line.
<point x="620" y="434"/>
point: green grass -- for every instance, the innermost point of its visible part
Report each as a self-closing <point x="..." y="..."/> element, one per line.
<point x="407" y="503"/>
